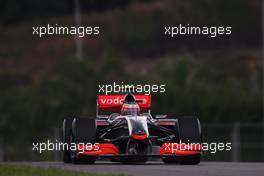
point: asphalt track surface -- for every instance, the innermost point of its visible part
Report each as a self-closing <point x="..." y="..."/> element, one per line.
<point x="159" y="169"/>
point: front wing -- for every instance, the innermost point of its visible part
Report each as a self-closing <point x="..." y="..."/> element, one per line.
<point x="109" y="150"/>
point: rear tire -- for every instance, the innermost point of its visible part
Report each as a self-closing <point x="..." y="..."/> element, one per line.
<point x="83" y="131"/>
<point x="66" y="138"/>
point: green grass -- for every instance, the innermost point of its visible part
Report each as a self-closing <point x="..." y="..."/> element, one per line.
<point x="12" y="170"/>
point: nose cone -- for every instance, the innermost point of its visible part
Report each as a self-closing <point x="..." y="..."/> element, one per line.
<point x="139" y="134"/>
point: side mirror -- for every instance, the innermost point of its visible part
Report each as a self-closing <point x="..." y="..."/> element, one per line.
<point x="163" y="116"/>
<point x="103" y="117"/>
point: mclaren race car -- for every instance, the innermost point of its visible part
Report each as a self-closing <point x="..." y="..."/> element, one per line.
<point x="131" y="134"/>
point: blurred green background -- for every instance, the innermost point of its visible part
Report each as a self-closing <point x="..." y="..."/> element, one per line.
<point x="41" y="80"/>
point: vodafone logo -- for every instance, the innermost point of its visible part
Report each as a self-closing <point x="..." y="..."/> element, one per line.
<point x="116" y="101"/>
<point x="110" y="101"/>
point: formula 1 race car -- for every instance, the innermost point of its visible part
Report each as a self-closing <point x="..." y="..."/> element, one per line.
<point x="132" y="135"/>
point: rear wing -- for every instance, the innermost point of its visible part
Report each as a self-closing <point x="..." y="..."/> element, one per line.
<point x="112" y="102"/>
<point x="116" y="101"/>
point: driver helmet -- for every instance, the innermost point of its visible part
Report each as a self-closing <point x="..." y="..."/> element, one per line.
<point x="130" y="109"/>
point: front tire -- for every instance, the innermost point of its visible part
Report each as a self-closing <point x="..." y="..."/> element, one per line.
<point x="66" y="138"/>
<point x="83" y="131"/>
<point x="190" y="132"/>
